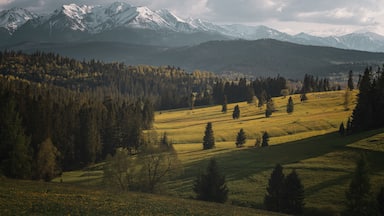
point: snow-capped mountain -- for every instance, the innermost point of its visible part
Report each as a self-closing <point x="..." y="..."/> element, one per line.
<point x="140" y="25"/>
<point x="13" y="18"/>
<point x="96" y="19"/>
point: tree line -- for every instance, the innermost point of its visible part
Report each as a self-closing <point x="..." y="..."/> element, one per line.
<point x="167" y="87"/>
<point x="368" y="113"/>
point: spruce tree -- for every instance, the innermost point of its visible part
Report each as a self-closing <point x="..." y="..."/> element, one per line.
<point x="293" y="194"/>
<point x="241" y="138"/>
<point x="290" y="105"/>
<point x="273" y="199"/>
<point x="208" y="139"/>
<point x="358" y="196"/>
<point x="210" y="186"/>
<point x="265" y="140"/>
<point x="236" y="112"/>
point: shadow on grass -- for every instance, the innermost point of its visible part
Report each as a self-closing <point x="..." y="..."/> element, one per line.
<point x="244" y="163"/>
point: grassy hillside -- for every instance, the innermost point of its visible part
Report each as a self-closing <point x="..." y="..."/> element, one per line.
<point x="321" y="114"/>
<point x="38" y="198"/>
<point x="306" y="140"/>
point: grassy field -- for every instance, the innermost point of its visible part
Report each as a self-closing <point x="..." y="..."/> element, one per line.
<point x="306" y="140"/>
<point x="322" y="113"/>
<point x="39" y="198"/>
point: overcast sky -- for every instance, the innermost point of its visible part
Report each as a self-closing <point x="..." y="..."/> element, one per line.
<point x="319" y="17"/>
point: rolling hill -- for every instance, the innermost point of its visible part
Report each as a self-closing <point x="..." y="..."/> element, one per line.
<point x="265" y="57"/>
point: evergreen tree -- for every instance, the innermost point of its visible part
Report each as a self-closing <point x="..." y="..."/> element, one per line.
<point x="273" y="199"/>
<point x="236" y="112"/>
<point x="342" y="129"/>
<point x="358" y="196"/>
<point x="380" y="201"/>
<point x="241" y="138"/>
<point x="293" y="194"/>
<point x="362" y="116"/>
<point x="208" y="139"/>
<point x="270" y="108"/>
<point x="210" y="186"/>
<point x="46" y="160"/>
<point x="16" y="153"/>
<point x="350" y="81"/>
<point x="290" y="105"/>
<point x="265" y="140"/>
<point x="224" y="106"/>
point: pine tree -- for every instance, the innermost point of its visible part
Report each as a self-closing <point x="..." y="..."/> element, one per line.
<point x="358" y="196"/>
<point x="380" y="201"/>
<point x="208" y="139"/>
<point x="273" y="199"/>
<point x="293" y="194"/>
<point x="265" y="140"/>
<point x="236" y="112"/>
<point x="290" y="105"/>
<point x="210" y="186"/>
<point x="241" y="138"/>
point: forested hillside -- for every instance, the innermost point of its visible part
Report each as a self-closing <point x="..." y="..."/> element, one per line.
<point x="58" y="113"/>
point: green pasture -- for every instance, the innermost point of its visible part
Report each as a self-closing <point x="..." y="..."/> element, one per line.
<point x="306" y="140"/>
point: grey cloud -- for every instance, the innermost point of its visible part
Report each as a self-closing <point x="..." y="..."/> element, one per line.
<point x="324" y="11"/>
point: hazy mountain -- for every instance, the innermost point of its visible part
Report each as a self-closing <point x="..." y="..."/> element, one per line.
<point x="122" y="22"/>
<point x="265" y="57"/>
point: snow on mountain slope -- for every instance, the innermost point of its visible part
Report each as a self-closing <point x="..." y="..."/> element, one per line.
<point x="14" y="18"/>
<point x="93" y="20"/>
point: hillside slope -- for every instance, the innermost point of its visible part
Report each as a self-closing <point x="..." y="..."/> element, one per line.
<point x="38" y="198"/>
<point x="255" y="58"/>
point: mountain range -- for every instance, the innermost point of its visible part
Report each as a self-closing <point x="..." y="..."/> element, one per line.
<point x="122" y="22"/>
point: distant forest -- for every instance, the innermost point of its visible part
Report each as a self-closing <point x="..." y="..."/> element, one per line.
<point x="78" y="112"/>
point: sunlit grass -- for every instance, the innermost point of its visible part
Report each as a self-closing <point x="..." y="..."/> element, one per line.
<point x="306" y="141"/>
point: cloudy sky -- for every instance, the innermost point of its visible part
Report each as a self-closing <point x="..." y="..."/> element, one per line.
<point x="319" y="17"/>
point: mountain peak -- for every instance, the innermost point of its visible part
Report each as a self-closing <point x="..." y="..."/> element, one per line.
<point x="14" y="18"/>
<point x="116" y="8"/>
